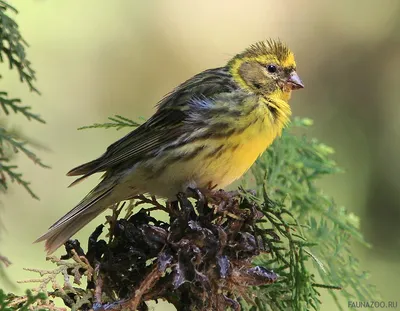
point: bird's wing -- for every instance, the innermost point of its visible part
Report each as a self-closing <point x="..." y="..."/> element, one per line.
<point x="164" y="127"/>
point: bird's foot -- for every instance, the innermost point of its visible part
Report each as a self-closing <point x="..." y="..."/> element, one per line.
<point x="186" y="206"/>
<point x="202" y="202"/>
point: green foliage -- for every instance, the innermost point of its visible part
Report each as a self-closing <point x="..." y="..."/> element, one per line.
<point x="12" y="141"/>
<point x="13" y="104"/>
<point x="12" y="51"/>
<point x="7" y="302"/>
<point x="12" y="46"/>
<point x="313" y="228"/>
<point x="118" y="122"/>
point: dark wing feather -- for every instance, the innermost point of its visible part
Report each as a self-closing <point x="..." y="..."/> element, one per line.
<point x="135" y="145"/>
<point x="164" y="127"/>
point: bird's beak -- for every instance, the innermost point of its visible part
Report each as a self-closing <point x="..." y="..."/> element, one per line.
<point x="294" y="81"/>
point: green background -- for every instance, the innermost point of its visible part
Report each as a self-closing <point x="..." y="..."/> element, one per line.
<point x="95" y="59"/>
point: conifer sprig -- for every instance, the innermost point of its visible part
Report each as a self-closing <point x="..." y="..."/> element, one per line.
<point x="13" y="51"/>
<point x="118" y="122"/>
<point x="13" y="105"/>
<point x="12" y="46"/>
<point x="288" y="171"/>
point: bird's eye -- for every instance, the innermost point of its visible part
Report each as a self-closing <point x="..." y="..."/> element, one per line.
<point x="271" y="68"/>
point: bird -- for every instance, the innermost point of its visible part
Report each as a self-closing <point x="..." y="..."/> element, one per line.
<point x="206" y="133"/>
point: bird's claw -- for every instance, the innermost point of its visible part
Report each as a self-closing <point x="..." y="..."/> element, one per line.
<point x="201" y="200"/>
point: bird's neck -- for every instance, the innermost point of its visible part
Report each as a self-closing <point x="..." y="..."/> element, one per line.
<point x="279" y="107"/>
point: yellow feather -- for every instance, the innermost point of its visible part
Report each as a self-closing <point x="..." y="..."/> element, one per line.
<point x="289" y="61"/>
<point x="241" y="150"/>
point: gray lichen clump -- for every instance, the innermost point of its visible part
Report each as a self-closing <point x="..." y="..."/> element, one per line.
<point x="200" y="260"/>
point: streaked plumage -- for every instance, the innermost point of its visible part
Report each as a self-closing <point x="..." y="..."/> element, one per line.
<point x="205" y="133"/>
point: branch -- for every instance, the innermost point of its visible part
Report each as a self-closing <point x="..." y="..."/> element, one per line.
<point x="118" y="122"/>
<point x="13" y="104"/>
<point x="14" y="176"/>
<point x="12" y="46"/>
<point x="18" y="146"/>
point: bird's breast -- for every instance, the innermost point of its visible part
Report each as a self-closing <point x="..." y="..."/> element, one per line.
<point x="235" y="155"/>
<point x="215" y="161"/>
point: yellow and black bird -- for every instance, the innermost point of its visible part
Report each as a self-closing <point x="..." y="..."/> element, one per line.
<point x="206" y="133"/>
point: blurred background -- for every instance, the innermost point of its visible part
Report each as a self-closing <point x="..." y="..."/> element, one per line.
<point x="95" y="59"/>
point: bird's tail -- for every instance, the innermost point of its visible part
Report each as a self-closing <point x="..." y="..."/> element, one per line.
<point x="91" y="206"/>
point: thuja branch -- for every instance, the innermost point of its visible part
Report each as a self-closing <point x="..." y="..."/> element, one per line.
<point x="9" y="139"/>
<point x="118" y="122"/>
<point x="12" y="46"/>
<point x="12" y="50"/>
<point x="14" y="105"/>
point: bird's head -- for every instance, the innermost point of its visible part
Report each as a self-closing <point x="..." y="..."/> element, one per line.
<point x="267" y="68"/>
